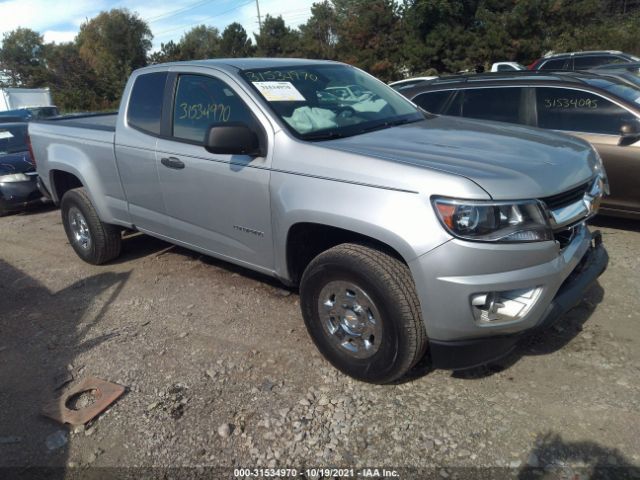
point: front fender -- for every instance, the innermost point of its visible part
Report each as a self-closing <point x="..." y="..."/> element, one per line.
<point x="402" y="220"/>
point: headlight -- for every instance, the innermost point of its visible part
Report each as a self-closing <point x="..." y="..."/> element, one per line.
<point x="494" y="221"/>
<point x="14" y="177"/>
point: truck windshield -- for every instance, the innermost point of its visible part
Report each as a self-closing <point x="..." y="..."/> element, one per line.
<point x="319" y="102"/>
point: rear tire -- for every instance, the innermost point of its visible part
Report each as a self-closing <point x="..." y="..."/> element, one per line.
<point x="361" y="309"/>
<point x="95" y="242"/>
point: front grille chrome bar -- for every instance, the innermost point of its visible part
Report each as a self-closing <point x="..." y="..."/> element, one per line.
<point x="578" y="211"/>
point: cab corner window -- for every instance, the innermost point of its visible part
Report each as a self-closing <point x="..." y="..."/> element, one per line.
<point x="145" y="104"/>
<point x="202" y="102"/>
<point x="579" y="111"/>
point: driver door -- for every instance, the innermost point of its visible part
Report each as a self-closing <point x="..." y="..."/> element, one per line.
<point x="216" y="203"/>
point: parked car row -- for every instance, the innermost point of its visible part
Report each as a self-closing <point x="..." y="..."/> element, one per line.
<point x="601" y="108"/>
<point x="581" y="60"/>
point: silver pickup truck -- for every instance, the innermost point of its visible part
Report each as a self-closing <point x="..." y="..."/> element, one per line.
<point x="407" y="233"/>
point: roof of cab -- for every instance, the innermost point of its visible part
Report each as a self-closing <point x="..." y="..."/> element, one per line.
<point x="247" y="63"/>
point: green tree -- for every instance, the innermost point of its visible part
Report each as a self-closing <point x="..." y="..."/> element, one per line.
<point x="114" y="43"/>
<point x="169" y="52"/>
<point x="71" y="79"/>
<point x="235" y="42"/>
<point x="370" y="35"/>
<point x="450" y="35"/>
<point x="319" y="35"/>
<point x="22" y="58"/>
<point x="199" y="43"/>
<point x="276" y="39"/>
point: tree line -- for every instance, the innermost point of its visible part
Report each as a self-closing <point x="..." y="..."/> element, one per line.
<point x="389" y="39"/>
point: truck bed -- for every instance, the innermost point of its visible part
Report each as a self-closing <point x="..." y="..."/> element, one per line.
<point x="94" y="121"/>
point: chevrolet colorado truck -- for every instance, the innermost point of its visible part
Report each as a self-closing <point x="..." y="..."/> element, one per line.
<point x="406" y="233"/>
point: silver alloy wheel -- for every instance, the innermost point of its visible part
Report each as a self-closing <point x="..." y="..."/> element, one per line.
<point x="350" y="319"/>
<point x="79" y="228"/>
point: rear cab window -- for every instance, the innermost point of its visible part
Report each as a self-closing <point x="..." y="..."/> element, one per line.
<point x="144" y="112"/>
<point x="202" y="102"/>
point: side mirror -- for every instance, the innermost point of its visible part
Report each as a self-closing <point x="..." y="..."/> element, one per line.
<point x="232" y="139"/>
<point x="629" y="133"/>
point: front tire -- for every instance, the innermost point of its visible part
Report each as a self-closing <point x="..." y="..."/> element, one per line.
<point x="362" y="311"/>
<point x="95" y="242"/>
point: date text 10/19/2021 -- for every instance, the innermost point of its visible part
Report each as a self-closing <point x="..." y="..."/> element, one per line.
<point x="314" y="472"/>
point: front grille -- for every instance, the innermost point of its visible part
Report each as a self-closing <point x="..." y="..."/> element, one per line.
<point x="566" y="198"/>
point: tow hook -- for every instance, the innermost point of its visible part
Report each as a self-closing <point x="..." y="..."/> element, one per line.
<point x="596" y="238"/>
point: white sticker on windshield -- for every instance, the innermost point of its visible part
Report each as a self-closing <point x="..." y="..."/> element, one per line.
<point x="6" y="134"/>
<point x="637" y="100"/>
<point x="279" y="92"/>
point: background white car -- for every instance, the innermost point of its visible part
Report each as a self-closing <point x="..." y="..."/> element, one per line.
<point x="507" y="67"/>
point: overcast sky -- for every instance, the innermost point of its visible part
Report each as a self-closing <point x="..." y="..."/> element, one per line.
<point x="59" y="21"/>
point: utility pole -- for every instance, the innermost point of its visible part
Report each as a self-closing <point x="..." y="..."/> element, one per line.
<point x="259" y="17"/>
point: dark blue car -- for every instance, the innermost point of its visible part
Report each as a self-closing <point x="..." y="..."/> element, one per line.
<point x="18" y="177"/>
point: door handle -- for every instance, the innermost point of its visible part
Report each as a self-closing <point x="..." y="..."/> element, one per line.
<point x="172" y="162"/>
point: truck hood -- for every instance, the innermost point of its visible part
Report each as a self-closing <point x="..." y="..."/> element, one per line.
<point x="507" y="161"/>
<point x="19" y="162"/>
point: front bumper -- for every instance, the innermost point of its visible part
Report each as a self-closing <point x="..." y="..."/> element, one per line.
<point x="18" y="195"/>
<point x="456" y="339"/>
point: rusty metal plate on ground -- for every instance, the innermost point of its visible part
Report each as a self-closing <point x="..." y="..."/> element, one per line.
<point x="103" y="392"/>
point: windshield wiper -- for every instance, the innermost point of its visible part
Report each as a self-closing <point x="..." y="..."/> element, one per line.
<point x="324" y="136"/>
<point x="389" y="123"/>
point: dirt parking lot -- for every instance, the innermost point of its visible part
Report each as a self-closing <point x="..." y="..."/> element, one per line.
<point x="220" y="372"/>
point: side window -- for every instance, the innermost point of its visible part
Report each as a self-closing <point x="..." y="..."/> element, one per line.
<point x="433" y="102"/>
<point x="498" y="104"/>
<point x="145" y="104"/>
<point x="584" y="63"/>
<point x="202" y="102"/>
<point x="557" y="64"/>
<point x="578" y="111"/>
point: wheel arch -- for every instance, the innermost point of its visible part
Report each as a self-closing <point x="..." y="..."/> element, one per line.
<point x="61" y="182"/>
<point x="305" y="240"/>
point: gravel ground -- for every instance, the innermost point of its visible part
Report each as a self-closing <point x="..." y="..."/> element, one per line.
<point x="220" y="372"/>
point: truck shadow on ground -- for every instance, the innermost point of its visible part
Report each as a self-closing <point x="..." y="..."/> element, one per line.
<point x="42" y="334"/>
<point x="137" y="245"/>
<point x="554" y="458"/>
<point x="545" y="342"/>
<point x="36" y="209"/>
